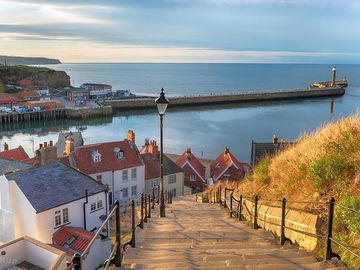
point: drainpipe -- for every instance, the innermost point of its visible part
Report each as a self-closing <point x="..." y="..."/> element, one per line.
<point x="106" y="213"/>
<point x="84" y="207"/>
<point x="113" y="189"/>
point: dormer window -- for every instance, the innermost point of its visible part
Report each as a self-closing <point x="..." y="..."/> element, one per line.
<point x="119" y="154"/>
<point x="96" y="156"/>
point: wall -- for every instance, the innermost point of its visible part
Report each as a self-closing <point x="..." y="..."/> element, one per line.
<point x="98" y="253"/>
<point x="6" y="214"/>
<point x="86" y="112"/>
<point x="46" y="220"/>
<point x="179" y="185"/>
<point x="298" y="220"/>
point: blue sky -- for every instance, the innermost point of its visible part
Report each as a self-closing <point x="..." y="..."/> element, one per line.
<point x="289" y="31"/>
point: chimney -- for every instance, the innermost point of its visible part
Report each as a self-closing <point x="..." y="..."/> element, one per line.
<point x="188" y="150"/>
<point x="275" y="139"/>
<point x="333" y="76"/>
<point x="130" y="136"/>
<point x="226" y="150"/>
<point x="153" y="148"/>
<point x="146" y="142"/>
<point x="6" y="146"/>
<point x="69" y="146"/>
<point x="46" y="155"/>
<point x="51" y="143"/>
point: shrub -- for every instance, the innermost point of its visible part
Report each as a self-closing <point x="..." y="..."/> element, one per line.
<point x="261" y="171"/>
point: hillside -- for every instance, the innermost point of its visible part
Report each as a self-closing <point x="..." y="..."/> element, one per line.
<point x="18" y="60"/>
<point x="318" y="166"/>
<point x="39" y="75"/>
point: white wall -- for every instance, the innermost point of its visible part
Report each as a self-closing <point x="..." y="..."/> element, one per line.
<point x="118" y="184"/>
<point x="6" y="214"/>
<point x="98" y="253"/>
<point x="179" y="185"/>
<point x="46" y="220"/>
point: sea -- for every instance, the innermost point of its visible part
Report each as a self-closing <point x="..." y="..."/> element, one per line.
<point x="206" y="129"/>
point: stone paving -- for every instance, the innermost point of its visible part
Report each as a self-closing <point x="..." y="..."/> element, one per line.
<point x="203" y="236"/>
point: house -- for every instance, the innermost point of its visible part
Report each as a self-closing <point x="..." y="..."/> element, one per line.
<point x="17" y="154"/>
<point x="40" y="200"/>
<point x="194" y="171"/>
<point x="262" y="149"/>
<point x="67" y="141"/>
<point x="173" y="174"/>
<point x="76" y="93"/>
<point x="25" y="83"/>
<point x="29" y="95"/>
<point x="116" y="164"/>
<point x="226" y="167"/>
<point x="6" y="99"/>
<point x="75" y="240"/>
<point x="28" y="253"/>
<point x="97" y="89"/>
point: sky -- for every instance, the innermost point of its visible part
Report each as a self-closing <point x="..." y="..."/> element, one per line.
<point x="230" y="31"/>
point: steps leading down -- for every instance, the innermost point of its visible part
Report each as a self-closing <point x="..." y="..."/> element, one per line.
<point x="202" y="236"/>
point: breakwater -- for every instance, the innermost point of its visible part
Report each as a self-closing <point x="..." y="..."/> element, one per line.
<point x="228" y="98"/>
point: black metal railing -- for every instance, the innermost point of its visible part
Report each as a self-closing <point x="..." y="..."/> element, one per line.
<point x="147" y="202"/>
<point x="215" y="196"/>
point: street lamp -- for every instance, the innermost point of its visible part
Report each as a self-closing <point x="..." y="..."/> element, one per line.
<point x="161" y="103"/>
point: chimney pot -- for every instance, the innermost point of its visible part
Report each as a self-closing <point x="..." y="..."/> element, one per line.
<point x="130" y="136"/>
<point x="188" y="150"/>
<point x="40" y="145"/>
<point x="45" y="144"/>
<point x="51" y="143"/>
<point x="6" y="147"/>
<point x="275" y="139"/>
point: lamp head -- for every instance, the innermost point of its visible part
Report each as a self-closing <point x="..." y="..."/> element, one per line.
<point x="162" y="102"/>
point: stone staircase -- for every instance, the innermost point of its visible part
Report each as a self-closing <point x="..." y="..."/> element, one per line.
<point x="203" y="236"/>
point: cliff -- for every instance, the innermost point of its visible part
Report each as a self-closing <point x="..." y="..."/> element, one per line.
<point x="18" y="60"/>
<point x="40" y="76"/>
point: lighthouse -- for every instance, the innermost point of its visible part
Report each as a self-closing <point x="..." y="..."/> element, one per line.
<point x="333" y="77"/>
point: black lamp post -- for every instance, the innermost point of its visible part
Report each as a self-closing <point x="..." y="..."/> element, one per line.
<point x="161" y="103"/>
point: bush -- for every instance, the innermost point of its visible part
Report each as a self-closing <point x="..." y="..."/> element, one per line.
<point x="261" y="171"/>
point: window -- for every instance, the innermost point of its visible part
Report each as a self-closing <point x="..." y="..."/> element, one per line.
<point x="57" y="218"/>
<point x="133" y="173"/>
<point x="192" y="177"/>
<point x="96" y="156"/>
<point x="133" y="191"/>
<point x="119" y="154"/>
<point x="125" y="175"/>
<point x="155" y="183"/>
<point x="110" y="198"/>
<point x="172" y="179"/>
<point x="99" y="178"/>
<point x="65" y="215"/>
<point x="61" y="217"/>
<point x="125" y="192"/>
<point x="173" y="192"/>
<point x="99" y="204"/>
<point x="93" y="207"/>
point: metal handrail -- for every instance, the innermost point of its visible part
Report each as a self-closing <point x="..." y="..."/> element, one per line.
<point x="345" y="247"/>
<point x="348" y="208"/>
<point x="110" y="257"/>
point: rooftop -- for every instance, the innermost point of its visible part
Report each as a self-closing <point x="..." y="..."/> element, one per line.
<point x="190" y="158"/>
<point x="152" y="166"/>
<point x="18" y="154"/>
<point x="8" y="166"/>
<point x="222" y="162"/>
<point x="83" y="157"/>
<point x="53" y="185"/>
<point x="261" y="149"/>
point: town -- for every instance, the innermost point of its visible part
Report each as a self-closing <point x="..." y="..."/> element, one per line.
<point x="62" y="195"/>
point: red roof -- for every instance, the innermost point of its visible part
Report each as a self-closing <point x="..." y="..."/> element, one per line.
<point x="78" y="239"/>
<point x="8" y="99"/>
<point x="84" y="162"/>
<point x="223" y="162"/>
<point x="189" y="158"/>
<point x="152" y="166"/>
<point x="17" y="154"/>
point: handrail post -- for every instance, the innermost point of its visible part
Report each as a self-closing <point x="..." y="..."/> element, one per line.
<point x="220" y="194"/>
<point x="329" y="252"/>
<point x="225" y="198"/>
<point x="76" y="261"/>
<point x="231" y="204"/>
<point x="282" y="235"/>
<point x="133" y="226"/>
<point x="153" y="199"/>
<point x="118" y="255"/>
<point x="255" y="225"/>
<point x="141" y="225"/>
<point x="145" y="208"/>
<point x="170" y="197"/>
<point x="158" y="198"/>
<point x="149" y="214"/>
<point x="240" y="207"/>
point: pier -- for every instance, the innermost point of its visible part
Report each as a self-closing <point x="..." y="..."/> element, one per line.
<point x="15" y="117"/>
<point x="242" y="97"/>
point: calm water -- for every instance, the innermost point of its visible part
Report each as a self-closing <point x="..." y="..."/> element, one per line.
<point x="206" y="129"/>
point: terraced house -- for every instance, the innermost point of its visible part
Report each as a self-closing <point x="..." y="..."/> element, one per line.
<point x="117" y="164"/>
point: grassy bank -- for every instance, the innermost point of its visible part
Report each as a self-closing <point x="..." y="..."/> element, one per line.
<point x="318" y="166"/>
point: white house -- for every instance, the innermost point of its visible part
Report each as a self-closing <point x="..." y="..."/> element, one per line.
<point x="38" y="201"/>
<point x="117" y="164"/>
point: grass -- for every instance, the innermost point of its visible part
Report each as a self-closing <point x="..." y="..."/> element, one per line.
<point x="317" y="166"/>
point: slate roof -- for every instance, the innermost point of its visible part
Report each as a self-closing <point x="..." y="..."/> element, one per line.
<point x="8" y="166"/>
<point x="222" y="162"/>
<point x="261" y="149"/>
<point x="54" y="185"/>
<point x="84" y="162"/>
<point x="18" y="154"/>
<point x="152" y="166"/>
<point x="189" y="157"/>
<point x="82" y="239"/>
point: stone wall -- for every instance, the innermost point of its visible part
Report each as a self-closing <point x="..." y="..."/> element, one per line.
<point x="85" y="113"/>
